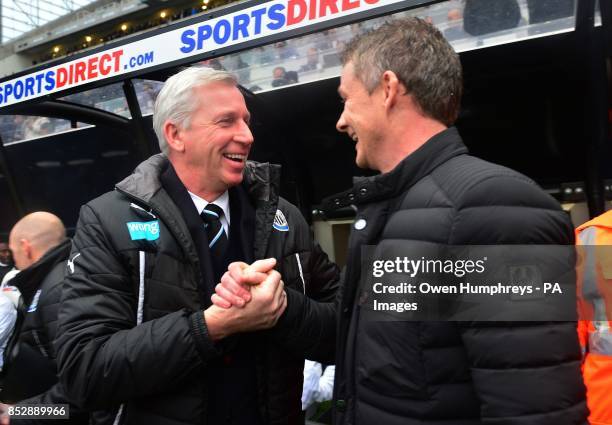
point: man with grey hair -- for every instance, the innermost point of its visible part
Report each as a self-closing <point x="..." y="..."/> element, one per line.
<point x="137" y="328"/>
<point x="401" y="86"/>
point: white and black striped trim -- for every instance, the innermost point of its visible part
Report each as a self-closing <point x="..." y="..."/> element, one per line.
<point x="299" y="264"/>
<point x="139" y="312"/>
<point x="138" y="207"/>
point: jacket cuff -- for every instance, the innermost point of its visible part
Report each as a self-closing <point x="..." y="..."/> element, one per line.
<point x="292" y="315"/>
<point x="205" y="346"/>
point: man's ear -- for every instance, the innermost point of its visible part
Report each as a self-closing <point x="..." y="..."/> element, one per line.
<point x="173" y="136"/>
<point x="26" y="248"/>
<point x="392" y="88"/>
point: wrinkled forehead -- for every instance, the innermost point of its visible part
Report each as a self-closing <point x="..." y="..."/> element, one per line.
<point x="218" y="93"/>
<point x="215" y="88"/>
<point x="217" y="99"/>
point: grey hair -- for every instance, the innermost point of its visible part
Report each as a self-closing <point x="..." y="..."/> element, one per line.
<point x="176" y="101"/>
<point x="422" y="59"/>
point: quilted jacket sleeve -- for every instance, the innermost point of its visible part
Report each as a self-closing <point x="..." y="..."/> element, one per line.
<point x="308" y="325"/>
<point x="47" y="308"/>
<point x="523" y="372"/>
<point x="104" y="358"/>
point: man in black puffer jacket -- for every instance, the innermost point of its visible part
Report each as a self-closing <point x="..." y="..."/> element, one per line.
<point x="137" y="331"/>
<point x="401" y="85"/>
<point x="40" y="250"/>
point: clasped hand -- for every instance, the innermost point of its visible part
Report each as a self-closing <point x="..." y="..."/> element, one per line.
<point x="249" y="298"/>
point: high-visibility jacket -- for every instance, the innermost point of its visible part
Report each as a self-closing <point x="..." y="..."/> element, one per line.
<point x="595" y="303"/>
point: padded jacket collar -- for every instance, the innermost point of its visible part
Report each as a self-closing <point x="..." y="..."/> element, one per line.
<point x="436" y="151"/>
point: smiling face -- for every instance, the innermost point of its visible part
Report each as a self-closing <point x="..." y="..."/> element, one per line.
<point x="214" y="148"/>
<point x="362" y="118"/>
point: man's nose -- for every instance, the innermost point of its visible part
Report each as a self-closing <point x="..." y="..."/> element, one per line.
<point x="341" y="125"/>
<point x="244" y="135"/>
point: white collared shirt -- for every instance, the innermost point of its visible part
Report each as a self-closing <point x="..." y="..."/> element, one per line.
<point x="222" y="202"/>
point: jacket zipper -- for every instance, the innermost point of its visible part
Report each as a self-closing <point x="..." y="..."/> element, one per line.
<point x="139" y="313"/>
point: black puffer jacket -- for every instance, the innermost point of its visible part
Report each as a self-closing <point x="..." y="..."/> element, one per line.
<point x="438" y="373"/>
<point x="31" y="370"/>
<point x="159" y="368"/>
<point x="40" y="286"/>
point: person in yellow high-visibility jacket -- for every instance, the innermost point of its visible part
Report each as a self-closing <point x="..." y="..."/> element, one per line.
<point x="595" y="304"/>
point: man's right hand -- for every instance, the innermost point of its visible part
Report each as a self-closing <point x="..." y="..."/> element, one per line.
<point x="267" y="302"/>
<point x="236" y="283"/>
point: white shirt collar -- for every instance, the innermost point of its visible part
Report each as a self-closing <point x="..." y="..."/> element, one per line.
<point x="222" y="202"/>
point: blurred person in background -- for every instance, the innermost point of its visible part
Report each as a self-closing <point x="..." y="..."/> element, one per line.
<point x="594" y="273"/>
<point x="312" y="60"/>
<point x="40" y="250"/>
<point x="317" y="390"/>
<point x="6" y="259"/>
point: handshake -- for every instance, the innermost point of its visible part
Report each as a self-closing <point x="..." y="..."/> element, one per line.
<point x="249" y="298"/>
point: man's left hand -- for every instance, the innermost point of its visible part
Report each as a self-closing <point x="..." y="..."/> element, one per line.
<point x="236" y="283"/>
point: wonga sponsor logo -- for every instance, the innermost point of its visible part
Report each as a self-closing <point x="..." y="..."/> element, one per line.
<point x="148" y="230"/>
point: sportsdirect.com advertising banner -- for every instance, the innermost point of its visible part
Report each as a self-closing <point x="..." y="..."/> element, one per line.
<point x="261" y="20"/>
